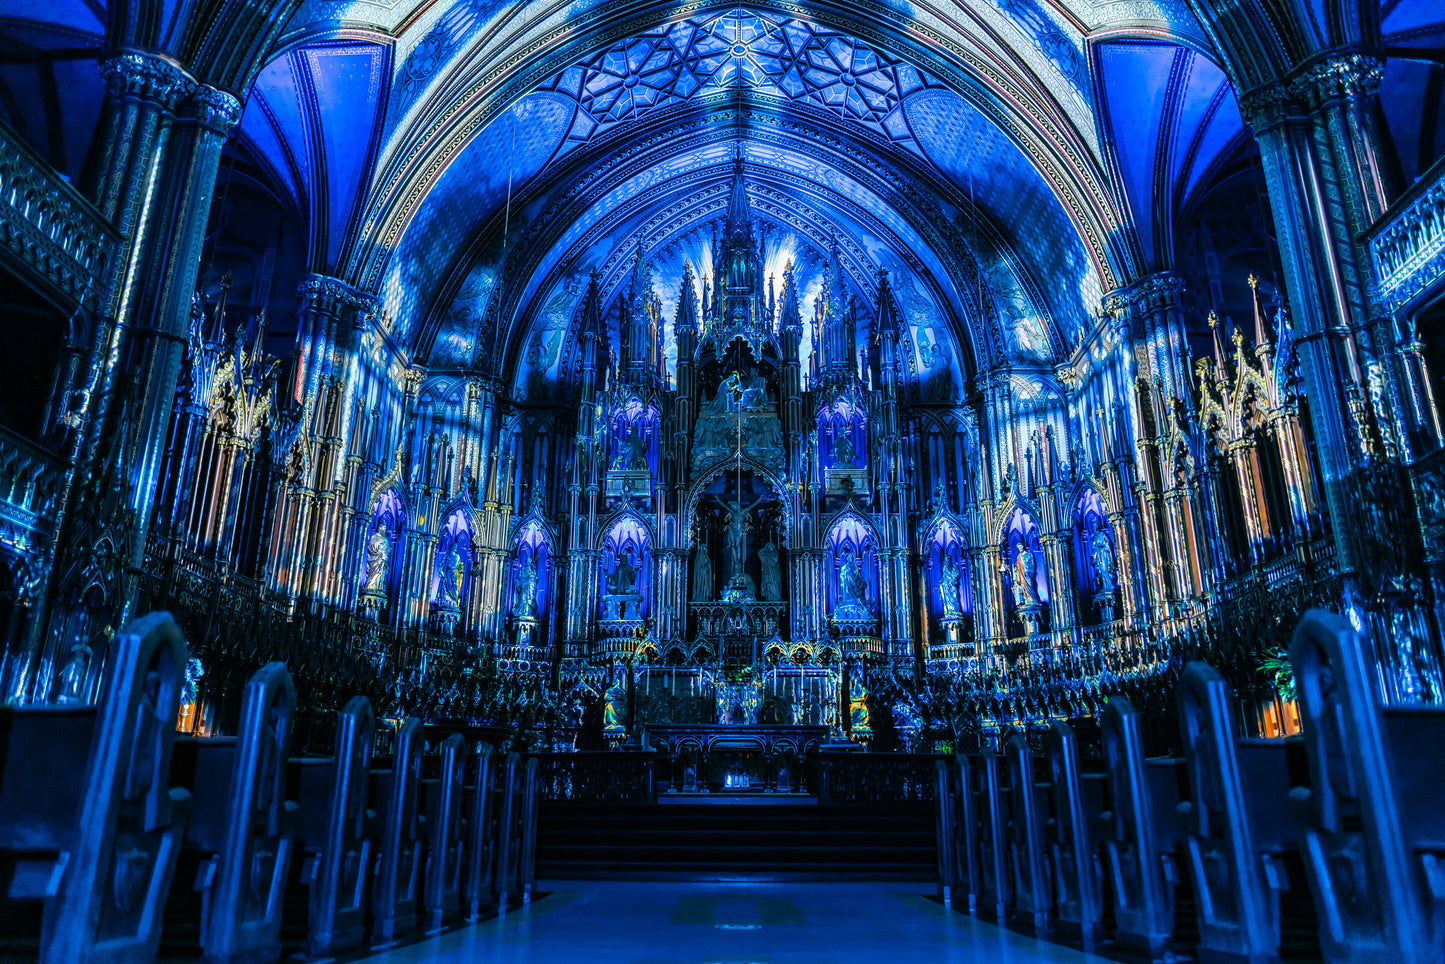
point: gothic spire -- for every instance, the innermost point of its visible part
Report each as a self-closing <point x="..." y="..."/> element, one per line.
<point x="686" y="301"/>
<point x="790" y="317"/>
<point x="740" y="212"/>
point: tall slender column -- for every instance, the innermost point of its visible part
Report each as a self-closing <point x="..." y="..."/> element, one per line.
<point x="1317" y="148"/>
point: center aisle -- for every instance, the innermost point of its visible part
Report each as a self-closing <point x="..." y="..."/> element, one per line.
<point x="702" y="923"/>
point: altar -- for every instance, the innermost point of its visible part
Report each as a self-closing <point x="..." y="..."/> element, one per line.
<point x="725" y="758"/>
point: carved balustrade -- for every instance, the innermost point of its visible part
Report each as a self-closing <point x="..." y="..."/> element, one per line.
<point x="30" y="481"/>
<point x="1408" y="242"/>
<point x="598" y="775"/>
<point x="877" y="777"/>
<point x="49" y="229"/>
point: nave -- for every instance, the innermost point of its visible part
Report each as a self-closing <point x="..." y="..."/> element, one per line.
<point x="760" y="923"/>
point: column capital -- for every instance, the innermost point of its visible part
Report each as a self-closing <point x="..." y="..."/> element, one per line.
<point x="215" y="110"/>
<point x="1336" y="76"/>
<point x="1150" y="292"/>
<point x="147" y="77"/>
<point x="325" y="293"/>
<point x="1341" y="75"/>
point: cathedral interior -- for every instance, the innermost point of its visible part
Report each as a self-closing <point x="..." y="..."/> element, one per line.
<point x="623" y="379"/>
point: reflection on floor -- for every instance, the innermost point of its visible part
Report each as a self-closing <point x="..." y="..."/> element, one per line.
<point x="751" y="923"/>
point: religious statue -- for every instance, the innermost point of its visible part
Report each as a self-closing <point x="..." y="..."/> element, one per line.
<point x="772" y="578"/>
<point x="73" y="676"/>
<point x="754" y="395"/>
<point x="612" y="708"/>
<point x="852" y="589"/>
<point x="843" y="453"/>
<point x="453" y="570"/>
<point x="524" y="602"/>
<point x="1024" y="567"/>
<point x="636" y="445"/>
<point x="948" y="588"/>
<point x="702" y="586"/>
<point x="858" y="707"/>
<point x="378" y="562"/>
<point x="623" y="580"/>
<point x="1102" y="553"/>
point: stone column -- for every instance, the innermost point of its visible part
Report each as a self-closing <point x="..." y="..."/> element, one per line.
<point x="1318" y="150"/>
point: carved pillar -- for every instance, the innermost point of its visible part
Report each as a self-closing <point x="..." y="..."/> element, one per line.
<point x="1317" y="148"/>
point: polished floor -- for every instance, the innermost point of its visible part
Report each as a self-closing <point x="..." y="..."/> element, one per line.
<point x="691" y="923"/>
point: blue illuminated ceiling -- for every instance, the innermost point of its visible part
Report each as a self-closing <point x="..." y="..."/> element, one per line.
<point x="1167" y="115"/>
<point x="314" y="118"/>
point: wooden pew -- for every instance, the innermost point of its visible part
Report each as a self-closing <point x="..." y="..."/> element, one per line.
<point x="395" y="785"/>
<point x="1372" y="820"/>
<point x="1024" y="837"/>
<point x="89" y="823"/>
<point x="967" y="861"/>
<point x="1233" y="824"/>
<point x="442" y="789"/>
<point x="1073" y="806"/>
<point x="945" y="817"/>
<point x="995" y="891"/>
<point x="527" y="848"/>
<point x="333" y="832"/>
<point x="1137" y="833"/>
<point x="477" y="878"/>
<point x="239" y="838"/>
<point x="508" y="857"/>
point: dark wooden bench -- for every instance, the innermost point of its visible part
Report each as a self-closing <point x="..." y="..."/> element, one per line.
<point x="1233" y="824"/>
<point x="90" y="824"/>
<point x="1137" y="832"/>
<point x="1073" y="806"/>
<point x="394" y="787"/>
<point x="995" y="891"/>
<point x="477" y="805"/>
<point x="966" y="861"/>
<point x="1372" y="821"/>
<point x="442" y="789"/>
<point x="334" y="830"/>
<point x="1024" y="803"/>
<point x="239" y="840"/>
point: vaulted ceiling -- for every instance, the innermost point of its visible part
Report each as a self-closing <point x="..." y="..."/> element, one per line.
<point x="471" y="161"/>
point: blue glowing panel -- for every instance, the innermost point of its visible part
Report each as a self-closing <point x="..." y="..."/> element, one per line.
<point x="474" y="187"/>
<point x="348" y="83"/>
<point x="982" y="161"/>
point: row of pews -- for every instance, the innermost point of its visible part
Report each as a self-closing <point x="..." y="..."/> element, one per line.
<point x="120" y="840"/>
<point x="1210" y="855"/>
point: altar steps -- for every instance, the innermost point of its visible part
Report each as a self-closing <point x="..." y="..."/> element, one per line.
<point x="736" y="841"/>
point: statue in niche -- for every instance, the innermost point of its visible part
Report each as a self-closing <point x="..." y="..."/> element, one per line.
<point x="858" y="721"/>
<point x="1023" y="571"/>
<point x="754" y="395"/>
<point x="612" y="707"/>
<point x="772" y="576"/>
<point x="1101" y="551"/>
<point x="948" y="588"/>
<point x="623" y="580"/>
<point x="636" y="447"/>
<point x="378" y="562"/>
<point x="843" y="453"/>
<point x="852" y="588"/>
<point x="702" y="585"/>
<point x="453" y="570"/>
<point x="525" y="604"/>
<point x="72" y="678"/>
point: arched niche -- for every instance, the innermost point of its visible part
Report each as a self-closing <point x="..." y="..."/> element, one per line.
<point x="455" y="556"/>
<point x="843" y="435"/>
<point x="947" y="576"/>
<point x="1095" y="559"/>
<point x="1026" y="575"/>
<point x="381" y="553"/>
<point x="850" y="543"/>
<point x="624" y="571"/>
